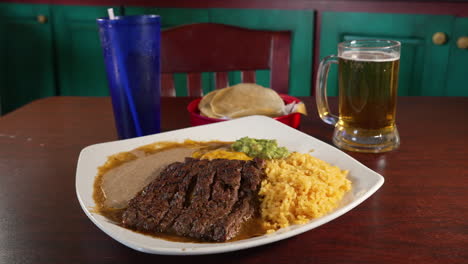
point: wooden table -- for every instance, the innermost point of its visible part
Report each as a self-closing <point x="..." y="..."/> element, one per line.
<point x="420" y="215"/>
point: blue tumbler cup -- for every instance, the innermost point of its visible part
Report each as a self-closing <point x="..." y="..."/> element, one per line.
<point x="131" y="46"/>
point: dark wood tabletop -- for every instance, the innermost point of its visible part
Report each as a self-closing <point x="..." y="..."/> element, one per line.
<point x="420" y="215"/>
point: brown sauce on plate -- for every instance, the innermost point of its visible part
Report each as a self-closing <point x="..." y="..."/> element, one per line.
<point x="250" y="228"/>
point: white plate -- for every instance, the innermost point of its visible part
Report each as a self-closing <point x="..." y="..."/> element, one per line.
<point x="364" y="181"/>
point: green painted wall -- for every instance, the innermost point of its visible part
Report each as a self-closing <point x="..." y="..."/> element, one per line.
<point x="80" y="62"/>
<point x="26" y="55"/>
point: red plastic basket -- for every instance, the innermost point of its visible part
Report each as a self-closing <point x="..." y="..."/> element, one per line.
<point x="292" y="120"/>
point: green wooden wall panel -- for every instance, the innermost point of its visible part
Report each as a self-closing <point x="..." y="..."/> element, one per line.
<point x="180" y="83"/>
<point x="423" y="64"/>
<point x="263" y="77"/>
<point x="207" y="81"/>
<point x="457" y="74"/>
<point x="26" y="64"/>
<point x="300" y="22"/>
<point x="234" y="77"/>
<point x="80" y="61"/>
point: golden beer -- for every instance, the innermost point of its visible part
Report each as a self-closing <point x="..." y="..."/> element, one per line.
<point x="368" y="84"/>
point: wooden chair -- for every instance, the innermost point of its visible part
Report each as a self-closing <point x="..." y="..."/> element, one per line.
<point x="219" y="48"/>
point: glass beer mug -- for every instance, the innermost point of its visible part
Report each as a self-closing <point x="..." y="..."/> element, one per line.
<point x="368" y="82"/>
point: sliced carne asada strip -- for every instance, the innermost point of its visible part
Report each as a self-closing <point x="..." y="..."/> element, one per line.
<point x="146" y="210"/>
<point x="187" y="194"/>
<point x="211" y="201"/>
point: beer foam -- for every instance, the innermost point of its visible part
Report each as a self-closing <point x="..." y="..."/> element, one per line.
<point x="377" y="56"/>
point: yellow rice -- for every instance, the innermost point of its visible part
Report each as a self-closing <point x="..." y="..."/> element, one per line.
<point x="299" y="188"/>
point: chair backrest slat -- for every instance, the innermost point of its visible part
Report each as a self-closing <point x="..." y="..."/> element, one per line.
<point x="194" y="84"/>
<point x="248" y="76"/>
<point x="279" y="63"/>
<point x="222" y="80"/>
<point x="167" y="85"/>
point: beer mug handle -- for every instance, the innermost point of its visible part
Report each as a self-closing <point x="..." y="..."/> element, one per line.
<point x="321" y="90"/>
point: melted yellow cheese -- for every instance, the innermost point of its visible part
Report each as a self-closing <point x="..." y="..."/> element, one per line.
<point x="222" y="154"/>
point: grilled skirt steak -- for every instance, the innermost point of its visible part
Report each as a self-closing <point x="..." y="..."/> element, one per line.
<point x="202" y="199"/>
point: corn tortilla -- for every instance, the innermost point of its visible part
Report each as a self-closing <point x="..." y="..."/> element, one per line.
<point x="246" y="99"/>
<point x="205" y="105"/>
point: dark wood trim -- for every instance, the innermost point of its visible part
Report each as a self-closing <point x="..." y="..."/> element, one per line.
<point x="409" y="7"/>
<point x="68" y="2"/>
